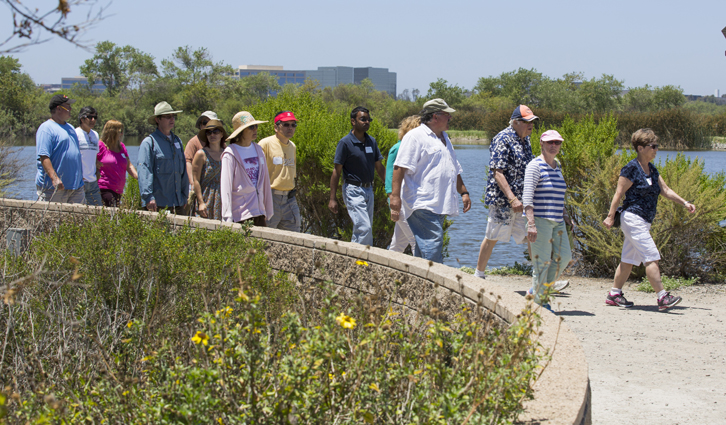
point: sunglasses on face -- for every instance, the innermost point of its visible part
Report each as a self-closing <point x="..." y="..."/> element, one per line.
<point x="91" y="117"/>
<point x="288" y="124"/>
<point x="554" y="142"/>
<point x="212" y="131"/>
<point x="653" y="146"/>
<point x="365" y="119"/>
<point x="169" y="116"/>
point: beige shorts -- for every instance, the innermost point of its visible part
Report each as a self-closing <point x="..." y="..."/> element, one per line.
<point x="503" y="224"/>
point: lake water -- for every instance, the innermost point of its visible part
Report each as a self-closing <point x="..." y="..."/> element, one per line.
<point x="468" y="229"/>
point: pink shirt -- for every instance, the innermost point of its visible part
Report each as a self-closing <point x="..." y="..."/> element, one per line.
<point x="113" y="168"/>
<point x="240" y="198"/>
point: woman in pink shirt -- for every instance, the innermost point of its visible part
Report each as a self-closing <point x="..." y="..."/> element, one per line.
<point x="245" y="181"/>
<point x="113" y="162"/>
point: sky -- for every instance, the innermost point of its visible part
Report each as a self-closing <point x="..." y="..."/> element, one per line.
<point x="638" y="42"/>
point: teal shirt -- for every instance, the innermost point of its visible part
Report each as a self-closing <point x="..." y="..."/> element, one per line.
<point x="389" y="167"/>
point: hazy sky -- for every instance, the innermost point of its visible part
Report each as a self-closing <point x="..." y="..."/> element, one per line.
<point x="640" y="42"/>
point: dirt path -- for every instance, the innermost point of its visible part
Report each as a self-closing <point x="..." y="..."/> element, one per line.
<point x="648" y="366"/>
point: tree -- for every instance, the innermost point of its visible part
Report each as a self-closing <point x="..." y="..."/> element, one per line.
<point x="453" y="95"/>
<point x="669" y="96"/>
<point x="31" y="26"/>
<point x="639" y="99"/>
<point x="520" y="86"/>
<point x="601" y="95"/>
<point x="119" y="68"/>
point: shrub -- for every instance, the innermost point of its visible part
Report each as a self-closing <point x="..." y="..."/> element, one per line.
<point x="669" y="283"/>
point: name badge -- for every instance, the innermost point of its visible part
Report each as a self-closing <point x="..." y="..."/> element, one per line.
<point x="277" y="160"/>
<point x="369" y="149"/>
<point x="178" y="145"/>
<point x="123" y="155"/>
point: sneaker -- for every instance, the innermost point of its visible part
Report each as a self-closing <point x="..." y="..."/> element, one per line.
<point x="479" y="274"/>
<point x="620" y="301"/>
<point x="530" y="291"/>
<point x="560" y="285"/>
<point x="548" y="307"/>
<point x="667" y="301"/>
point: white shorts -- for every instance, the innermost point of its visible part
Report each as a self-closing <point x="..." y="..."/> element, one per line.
<point x="638" y="246"/>
<point x="503" y="223"/>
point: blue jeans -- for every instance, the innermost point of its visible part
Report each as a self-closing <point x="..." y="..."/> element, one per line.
<point x="551" y="254"/>
<point x="428" y="229"/>
<point x="359" y="201"/>
<point x="286" y="213"/>
<point x="93" y="193"/>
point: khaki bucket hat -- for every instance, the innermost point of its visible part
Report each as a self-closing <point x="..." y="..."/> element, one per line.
<point x="162" y="108"/>
<point x="240" y="121"/>
<point x="211" y="125"/>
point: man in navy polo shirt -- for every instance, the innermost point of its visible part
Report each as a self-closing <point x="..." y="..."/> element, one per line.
<point x="356" y="156"/>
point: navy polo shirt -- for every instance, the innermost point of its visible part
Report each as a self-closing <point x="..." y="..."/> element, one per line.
<point x="357" y="158"/>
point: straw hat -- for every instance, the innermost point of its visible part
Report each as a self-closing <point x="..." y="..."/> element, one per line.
<point x="240" y="121"/>
<point x="212" y="124"/>
<point x="162" y="108"/>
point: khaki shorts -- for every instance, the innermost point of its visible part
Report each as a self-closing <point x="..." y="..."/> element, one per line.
<point x="503" y="224"/>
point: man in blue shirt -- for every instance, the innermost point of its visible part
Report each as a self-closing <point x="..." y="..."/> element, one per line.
<point x="163" y="178"/>
<point x="60" y="172"/>
<point x="356" y="156"/>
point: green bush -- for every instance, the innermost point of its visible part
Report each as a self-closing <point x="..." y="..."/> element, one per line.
<point x="669" y="283"/>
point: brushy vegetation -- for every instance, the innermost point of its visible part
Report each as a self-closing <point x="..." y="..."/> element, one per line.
<point x="120" y="319"/>
<point x="669" y="283"/>
<point x="690" y="244"/>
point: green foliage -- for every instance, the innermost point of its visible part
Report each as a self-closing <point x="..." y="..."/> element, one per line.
<point x="677" y="128"/>
<point x="119" y="68"/>
<point x="669" y="283"/>
<point x="122" y="320"/>
<point x="453" y="95"/>
<point x="517" y="269"/>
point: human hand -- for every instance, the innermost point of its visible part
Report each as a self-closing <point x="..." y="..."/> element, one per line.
<point x="202" y="210"/>
<point x="517" y="206"/>
<point x="531" y="232"/>
<point x="151" y="206"/>
<point x="467" y="201"/>
<point x="395" y="208"/>
<point x="58" y="183"/>
<point x="608" y="222"/>
<point x="333" y="206"/>
<point x="690" y="207"/>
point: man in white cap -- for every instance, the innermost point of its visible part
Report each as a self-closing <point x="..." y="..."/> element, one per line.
<point x="163" y="177"/>
<point x="280" y="154"/>
<point x="60" y="168"/>
<point x="193" y="145"/>
<point x="427" y="180"/>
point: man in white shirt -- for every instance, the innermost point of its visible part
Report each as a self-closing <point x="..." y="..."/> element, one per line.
<point x="88" y="143"/>
<point x="427" y="180"/>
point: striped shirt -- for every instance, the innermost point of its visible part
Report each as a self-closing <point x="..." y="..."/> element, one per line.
<point x="544" y="190"/>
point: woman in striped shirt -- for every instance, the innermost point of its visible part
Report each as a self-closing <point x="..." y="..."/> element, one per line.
<point x="544" y="206"/>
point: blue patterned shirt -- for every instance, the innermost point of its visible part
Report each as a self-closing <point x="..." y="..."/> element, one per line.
<point x="642" y="197"/>
<point x="511" y="154"/>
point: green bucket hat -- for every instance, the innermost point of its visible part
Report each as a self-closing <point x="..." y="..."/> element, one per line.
<point x="162" y="108"/>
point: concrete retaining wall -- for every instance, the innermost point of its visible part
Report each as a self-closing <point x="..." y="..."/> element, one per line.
<point x="562" y="393"/>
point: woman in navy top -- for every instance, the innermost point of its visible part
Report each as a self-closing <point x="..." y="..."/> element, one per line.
<point x="642" y="184"/>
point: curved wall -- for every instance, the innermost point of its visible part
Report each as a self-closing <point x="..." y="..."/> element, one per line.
<point x="562" y="393"/>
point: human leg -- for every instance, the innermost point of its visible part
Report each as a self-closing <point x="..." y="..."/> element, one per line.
<point x="402" y="237"/>
<point x="541" y="255"/>
<point x="92" y="193"/>
<point x="355" y="199"/>
<point x="110" y="198"/>
<point x="291" y="216"/>
<point x="428" y="229"/>
<point x="485" y="253"/>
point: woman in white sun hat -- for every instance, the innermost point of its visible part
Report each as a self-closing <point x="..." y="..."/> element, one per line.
<point x="245" y="181"/>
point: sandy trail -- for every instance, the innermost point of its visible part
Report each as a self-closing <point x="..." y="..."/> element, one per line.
<point x="648" y="366"/>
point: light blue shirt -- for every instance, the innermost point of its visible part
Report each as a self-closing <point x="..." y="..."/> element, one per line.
<point x="162" y="171"/>
<point x="60" y="144"/>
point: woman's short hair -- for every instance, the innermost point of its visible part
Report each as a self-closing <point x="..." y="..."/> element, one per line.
<point x="111" y="132"/>
<point x="408" y="124"/>
<point x="86" y="111"/>
<point x="643" y="137"/>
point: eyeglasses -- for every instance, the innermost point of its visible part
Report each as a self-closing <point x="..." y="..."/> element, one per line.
<point x="288" y="124"/>
<point x="169" y="116"/>
<point x="554" y="142"/>
<point x="212" y="131"/>
<point x="91" y="117"/>
<point x="365" y="119"/>
<point x="653" y="146"/>
<point x="253" y="127"/>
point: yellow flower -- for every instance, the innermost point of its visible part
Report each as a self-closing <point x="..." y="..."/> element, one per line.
<point x="374" y="387"/>
<point x="345" y="321"/>
<point x="200" y="338"/>
<point x="361" y="263"/>
<point x="225" y="312"/>
<point x="130" y="324"/>
<point x="549" y="284"/>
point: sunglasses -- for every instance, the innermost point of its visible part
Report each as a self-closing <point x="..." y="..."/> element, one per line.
<point x="554" y="142"/>
<point x="364" y="119"/>
<point x="169" y="116"/>
<point x="288" y="124"/>
<point x="91" y="117"/>
<point x="212" y="131"/>
<point x="653" y="146"/>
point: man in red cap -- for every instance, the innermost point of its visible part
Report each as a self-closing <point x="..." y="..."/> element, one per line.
<point x="280" y="154"/>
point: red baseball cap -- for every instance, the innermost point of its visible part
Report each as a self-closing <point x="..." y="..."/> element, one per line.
<point x="522" y="112"/>
<point x="284" y="116"/>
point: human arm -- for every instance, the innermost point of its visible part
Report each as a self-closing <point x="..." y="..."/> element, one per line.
<point x="461" y="188"/>
<point x="396" y="181"/>
<point x="333" y="203"/>
<point x="226" y="183"/>
<point x="532" y="177"/>
<point x="381" y="170"/>
<point x="503" y="184"/>
<point x="197" y="165"/>
<point x="50" y="171"/>
<point x="146" y="175"/>
<point x="623" y="185"/>
<point x="669" y="193"/>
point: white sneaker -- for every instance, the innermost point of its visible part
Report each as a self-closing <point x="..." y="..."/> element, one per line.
<point x="560" y="285"/>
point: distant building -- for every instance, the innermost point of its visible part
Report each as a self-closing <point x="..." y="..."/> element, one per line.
<point x="283" y="76"/>
<point x="67" y="83"/>
<point x="50" y="88"/>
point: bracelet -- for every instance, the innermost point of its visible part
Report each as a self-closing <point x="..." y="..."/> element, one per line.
<point x="464" y="193"/>
<point x="685" y="203"/>
<point x="511" y="201"/>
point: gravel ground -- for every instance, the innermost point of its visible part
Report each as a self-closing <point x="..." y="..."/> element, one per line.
<point x="648" y="366"/>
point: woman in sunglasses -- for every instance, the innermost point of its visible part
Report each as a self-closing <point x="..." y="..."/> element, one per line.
<point x="206" y="171"/>
<point x="544" y="206"/>
<point x="245" y="181"/>
<point x="641" y="184"/>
